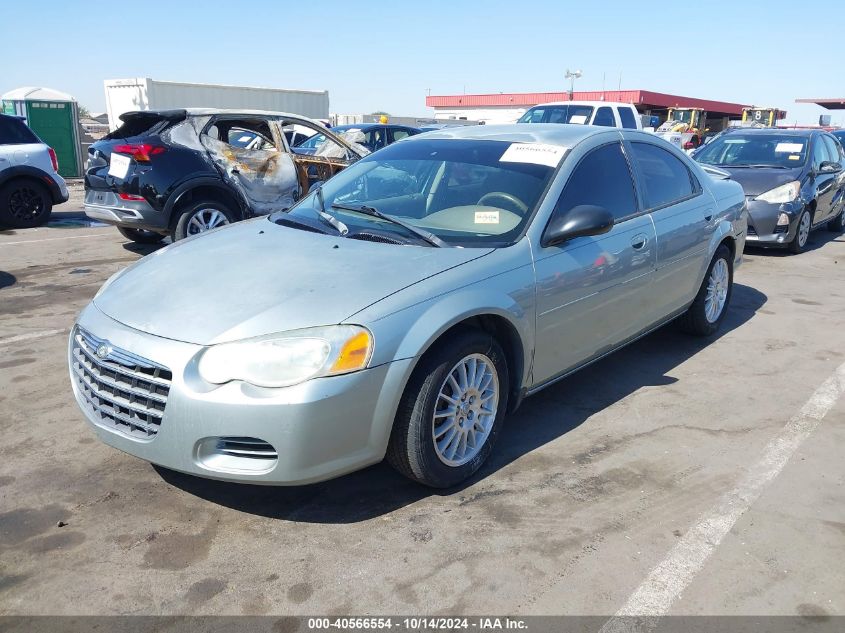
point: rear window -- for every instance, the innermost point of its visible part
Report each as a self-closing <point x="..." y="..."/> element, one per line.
<point x="139" y="125"/>
<point x="15" y="132"/>
<point x="627" y="118"/>
<point x="577" y="114"/>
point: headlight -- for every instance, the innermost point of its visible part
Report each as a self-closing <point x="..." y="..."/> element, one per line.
<point x="289" y="358"/>
<point x="784" y="193"/>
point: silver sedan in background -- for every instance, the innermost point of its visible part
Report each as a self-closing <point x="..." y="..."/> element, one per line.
<point x="404" y="307"/>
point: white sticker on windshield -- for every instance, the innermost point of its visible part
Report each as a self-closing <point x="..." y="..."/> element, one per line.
<point x="536" y="153"/>
<point x="789" y="147"/>
<point x="244" y="139"/>
<point x="578" y="119"/>
<point x="486" y="217"/>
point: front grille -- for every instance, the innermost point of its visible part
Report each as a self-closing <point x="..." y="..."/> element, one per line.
<point x="250" y="447"/>
<point x="123" y="391"/>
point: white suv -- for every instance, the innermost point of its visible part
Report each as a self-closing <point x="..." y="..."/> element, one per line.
<point x="604" y="113"/>
<point x="29" y="179"/>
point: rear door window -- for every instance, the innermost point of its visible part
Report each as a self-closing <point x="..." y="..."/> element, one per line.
<point x="627" y="117"/>
<point x="602" y="178"/>
<point x="832" y="148"/>
<point x="604" y="117"/>
<point x="664" y="178"/>
<point x="15" y="132"/>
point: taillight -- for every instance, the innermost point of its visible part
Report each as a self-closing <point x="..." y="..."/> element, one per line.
<point x="54" y="159"/>
<point x="129" y="196"/>
<point x="141" y="152"/>
<point x="689" y="145"/>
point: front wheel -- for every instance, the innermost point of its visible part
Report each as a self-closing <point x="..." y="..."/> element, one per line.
<point x="708" y="310"/>
<point x="140" y="236"/>
<point x="451" y="411"/>
<point x="802" y="233"/>
<point x="201" y="217"/>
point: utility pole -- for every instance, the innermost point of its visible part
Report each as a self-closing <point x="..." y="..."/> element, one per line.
<point x="572" y="76"/>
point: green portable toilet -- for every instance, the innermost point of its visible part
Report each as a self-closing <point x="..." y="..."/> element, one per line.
<point x="54" y="117"/>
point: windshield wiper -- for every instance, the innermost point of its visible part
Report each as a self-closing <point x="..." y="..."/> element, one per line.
<point x="757" y="166"/>
<point x="328" y="218"/>
<point x="431" y="238"/>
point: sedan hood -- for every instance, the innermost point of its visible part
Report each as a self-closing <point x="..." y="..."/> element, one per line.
<point x="759" y="180"/>
<point x="256" y="278"/>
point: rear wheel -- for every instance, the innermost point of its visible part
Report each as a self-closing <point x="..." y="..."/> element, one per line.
<point x="837" y="224"/>
<point x="24" y="204"/>
<point x="802" y="233"/>
<point x="451" y="411"/>
<point x="708" y="310"/>
<point x="200" y="217"/>
<point x="140" y="235"/>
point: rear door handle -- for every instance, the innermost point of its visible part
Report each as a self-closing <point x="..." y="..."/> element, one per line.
<point x="639" y="241"/>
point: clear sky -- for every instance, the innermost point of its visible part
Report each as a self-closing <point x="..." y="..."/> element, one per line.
<point x="388" y="55"/>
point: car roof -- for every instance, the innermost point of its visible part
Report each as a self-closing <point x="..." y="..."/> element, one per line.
<point x="775" y="130"/>
<point x="548" y="133"/>
<point x="582" y="103"/>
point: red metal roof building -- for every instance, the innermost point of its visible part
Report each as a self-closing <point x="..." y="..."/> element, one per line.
<point x="644" y="100"/>
<point x="830" y="104"/>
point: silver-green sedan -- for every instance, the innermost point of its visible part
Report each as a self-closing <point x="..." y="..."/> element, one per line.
<point x="406" y="305"/>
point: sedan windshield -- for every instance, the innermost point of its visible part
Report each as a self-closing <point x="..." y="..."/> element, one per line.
<point x="463" y="192"/>
<point x="755" y="150"/>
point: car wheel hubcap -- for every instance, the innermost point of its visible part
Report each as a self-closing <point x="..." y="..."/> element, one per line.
<point x="465" y="410"/>
<point x="25" y="203"/>
<point x="205" y="220"/>
<point x="717" y="290"/>
<point x="804" y="229"/>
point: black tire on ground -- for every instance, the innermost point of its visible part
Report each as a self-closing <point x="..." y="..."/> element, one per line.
<point x="837" y="224"/>
<point x="140" y="236"/>
<point x="795" y="246"/>
<point x="182" y="228"/>
<point x="24" y="204"/>
<point x="694" y="320"/>
<point x="411" y="450"/>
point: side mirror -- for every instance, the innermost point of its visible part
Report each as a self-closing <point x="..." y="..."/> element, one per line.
<point x="829" y="167"/>
<point x="580" y="221"/>
<point x="315" y="185"/>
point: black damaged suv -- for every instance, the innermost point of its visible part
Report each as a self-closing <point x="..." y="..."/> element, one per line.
<point x="183" y="172"/>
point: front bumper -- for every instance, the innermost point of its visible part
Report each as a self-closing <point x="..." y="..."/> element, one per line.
<point x="763" y="229"/>
<point x="319" y="429"/>
<point x="106" y="206"/>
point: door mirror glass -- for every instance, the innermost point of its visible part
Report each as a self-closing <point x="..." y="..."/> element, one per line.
<point x="829" y="167"/>
<point x="580" y="221"/>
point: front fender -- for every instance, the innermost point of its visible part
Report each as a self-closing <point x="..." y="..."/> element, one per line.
<point x="408" y="333"/>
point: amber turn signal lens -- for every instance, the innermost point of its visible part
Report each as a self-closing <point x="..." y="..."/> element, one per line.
<point x="354" y="354"/>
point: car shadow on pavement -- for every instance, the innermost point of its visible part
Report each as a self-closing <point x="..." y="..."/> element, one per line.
<point x="7" y="279"/>
<point x="543" y="418"/>
<point x="816" y="240"/>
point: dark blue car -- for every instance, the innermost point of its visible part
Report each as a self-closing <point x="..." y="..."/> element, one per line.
<point x="376" y="136"/>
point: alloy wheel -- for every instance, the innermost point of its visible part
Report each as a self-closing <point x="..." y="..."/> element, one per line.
<point x="717" y="290"/>
<point x="25" y="203"/>
<point x="803" y="229"/>
<point x="206" y="219"/>
<point x="465" y="410"/>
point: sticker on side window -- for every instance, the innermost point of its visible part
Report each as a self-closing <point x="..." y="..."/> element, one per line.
<point x="578" y="119"/>
<point x="486" y="217"/>
<point x="790" y="148"/>
<point x="536" y="153"/>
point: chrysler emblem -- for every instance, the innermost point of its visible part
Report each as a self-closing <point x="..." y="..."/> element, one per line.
<point x="103" y="350"/>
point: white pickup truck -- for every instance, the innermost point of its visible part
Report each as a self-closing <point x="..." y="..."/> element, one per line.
<point x="606" y="113"/>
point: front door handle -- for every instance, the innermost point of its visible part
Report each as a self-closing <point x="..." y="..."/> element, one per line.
<point x="639" y="241"/>
<point x="708" y="215"/>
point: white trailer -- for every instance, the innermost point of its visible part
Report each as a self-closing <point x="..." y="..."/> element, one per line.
<point x="143" y="93"/>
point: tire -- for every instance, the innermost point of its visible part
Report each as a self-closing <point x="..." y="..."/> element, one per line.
<point x="412" y="449"/>
<point x="140" y="236"/>
<point x="699" y="319"/>
<point x="24" y="204"/>
<point x="837" y="224"/>
<point x="202" y="211"/>
<point x="799" y="242"/>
